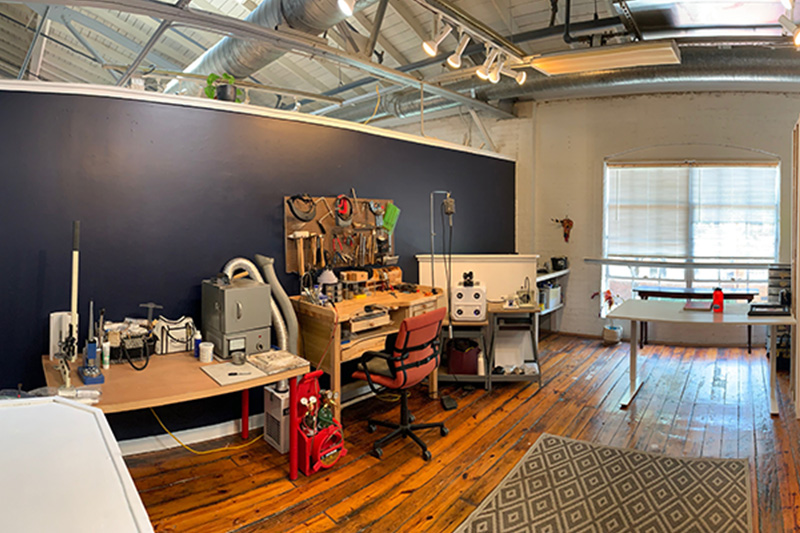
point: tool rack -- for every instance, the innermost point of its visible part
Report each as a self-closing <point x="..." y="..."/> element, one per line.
<point x="338" y="245"/>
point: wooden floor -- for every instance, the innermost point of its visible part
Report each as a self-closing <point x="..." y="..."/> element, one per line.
<point x="694" y="402"/>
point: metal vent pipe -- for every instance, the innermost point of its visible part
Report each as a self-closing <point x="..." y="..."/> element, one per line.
<point x="241" y="58"/>
<point x="751" y="68"/>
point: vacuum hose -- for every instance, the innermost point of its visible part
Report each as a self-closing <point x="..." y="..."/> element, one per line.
<point x="267" y="266"/>
<point x="240" y="263"/>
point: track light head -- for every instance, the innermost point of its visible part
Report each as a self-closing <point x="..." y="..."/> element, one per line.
<point x="455" y="59"/>
<point x="432" y="47"/>
<point x="494" y="73"/>
<point x="788" y="4"/>
<point x="519" y="76"/>
<point x="483" y="70"/>
<point x="347" y="7"/>
<point x="791" y="28"/>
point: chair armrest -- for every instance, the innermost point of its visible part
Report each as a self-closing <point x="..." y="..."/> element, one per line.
<point x="362" y="365"/>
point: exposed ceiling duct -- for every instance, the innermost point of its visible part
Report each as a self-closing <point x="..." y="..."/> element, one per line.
<point x="703" y="69"/>
<point x="240" y="58"/>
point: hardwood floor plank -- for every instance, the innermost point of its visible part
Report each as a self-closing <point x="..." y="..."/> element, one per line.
<point x="693" y="402"/>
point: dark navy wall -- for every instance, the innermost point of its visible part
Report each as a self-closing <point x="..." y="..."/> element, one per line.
<point x="167" y="194"/>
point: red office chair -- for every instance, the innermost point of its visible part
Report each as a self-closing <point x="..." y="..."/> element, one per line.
<point x="412" y="356"/>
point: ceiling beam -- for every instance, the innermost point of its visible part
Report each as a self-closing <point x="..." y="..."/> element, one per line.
<point x="59" y="11"/>
<point x="154" y="38"/>
<point x="393" y="52"/>
<point x="408" y="17"/>
<point x="281" y="40"/>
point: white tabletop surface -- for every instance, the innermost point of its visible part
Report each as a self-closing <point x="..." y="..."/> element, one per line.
<point x="62" y="471"/>
<point x="672" y="311"/>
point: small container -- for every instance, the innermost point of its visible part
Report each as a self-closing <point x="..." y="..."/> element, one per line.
<point x="105" y="356"/>
<point x="717" y="303"/>
<point x="198" y="338"/>
<point x="206" y="352"/>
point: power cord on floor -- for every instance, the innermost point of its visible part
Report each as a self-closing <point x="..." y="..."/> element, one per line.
<point x="204" y="452"/>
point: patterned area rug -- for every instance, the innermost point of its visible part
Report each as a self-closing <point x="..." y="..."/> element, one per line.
<point x="566" y="485"/>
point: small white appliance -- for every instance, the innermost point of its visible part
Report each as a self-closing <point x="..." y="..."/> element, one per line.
<point x="276" y="419"/>
<point x="468" y="304"/>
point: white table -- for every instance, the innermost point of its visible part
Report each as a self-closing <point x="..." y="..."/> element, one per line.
<point x="62" y="471"/>
<point x="667" y="311"/>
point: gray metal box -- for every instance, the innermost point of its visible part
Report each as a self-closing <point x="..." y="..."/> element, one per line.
<point x="250" y="342"/>
<point x="242" y="305"/>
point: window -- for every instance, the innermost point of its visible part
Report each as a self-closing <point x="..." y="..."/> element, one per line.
<point x="697" y="213"/>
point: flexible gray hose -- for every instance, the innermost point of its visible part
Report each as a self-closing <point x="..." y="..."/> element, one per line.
<point x="267" y="266"/>
<point x="240" y="263"/>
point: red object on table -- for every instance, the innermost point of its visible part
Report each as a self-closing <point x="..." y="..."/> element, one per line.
<point x="718" y="300"/>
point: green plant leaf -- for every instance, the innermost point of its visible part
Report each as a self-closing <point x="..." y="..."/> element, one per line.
<point x="239" y="92"/>
<point x="230" y="79"/>
<point x="212" y="78"/>
<point x="210" y="92"/>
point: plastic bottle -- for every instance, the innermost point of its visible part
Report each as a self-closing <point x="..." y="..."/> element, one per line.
<point x="718" y="300"/>
<point x="198" y="338"/>
<point x="481" y="364"/>
<point x="105" y="356"/>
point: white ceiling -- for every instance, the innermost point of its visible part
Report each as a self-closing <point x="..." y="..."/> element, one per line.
<point x="117" y="37"/>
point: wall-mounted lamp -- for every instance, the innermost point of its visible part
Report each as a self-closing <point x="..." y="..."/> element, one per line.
<point x="483" y="70"/>
<point x="432" y="47"/>
<point x="792" y="28"/>
<point x="347" y="7"/>
<point x="455" y="59"/>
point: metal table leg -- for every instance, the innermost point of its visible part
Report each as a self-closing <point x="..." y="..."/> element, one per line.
<point x="635" y="382"/>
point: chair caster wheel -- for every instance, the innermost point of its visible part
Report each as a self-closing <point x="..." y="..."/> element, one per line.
<point x="411" y="418"/>
<point x="377" y="452"/>
<point x="371" y="428"/>
<point x="426" y="455"/>
<point x="444" y="431"/>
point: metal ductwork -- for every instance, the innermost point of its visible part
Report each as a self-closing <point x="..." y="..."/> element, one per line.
<point x="241" y="58"/>
<point x="702" y="68"/>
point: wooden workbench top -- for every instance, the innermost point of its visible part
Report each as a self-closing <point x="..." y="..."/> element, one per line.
<point x="168" y="379"/>
<point x="347" y="309"/>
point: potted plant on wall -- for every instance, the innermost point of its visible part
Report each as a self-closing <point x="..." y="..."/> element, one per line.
<point x="222" y="88"/>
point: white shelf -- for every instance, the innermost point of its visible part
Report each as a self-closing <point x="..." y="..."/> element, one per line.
<point x="552" y="275"/>
<point x="551" y="310"/>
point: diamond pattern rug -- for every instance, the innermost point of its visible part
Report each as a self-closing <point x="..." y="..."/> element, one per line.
<point x="566" y="485"/>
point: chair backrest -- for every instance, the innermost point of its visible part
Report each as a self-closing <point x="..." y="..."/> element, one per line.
<point x="416" y="351"/>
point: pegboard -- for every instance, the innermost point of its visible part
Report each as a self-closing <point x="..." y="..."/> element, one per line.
<point x="331" y="241"/>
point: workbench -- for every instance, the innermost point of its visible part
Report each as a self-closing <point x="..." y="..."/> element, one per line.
<point x="168" y="379"/>
<point x="322" y="343"/>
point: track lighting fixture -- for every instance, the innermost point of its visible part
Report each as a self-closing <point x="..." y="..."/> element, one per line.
<point x="347" y="7"/>
<point x="519" y="76"/>
<point x="788" y="4"/>
<point x="494" y="73"/>
<point x="792" y="28"/>
<point x="455" y="59"/>
<point x="483" y="70"/>
<point x="432" y="47"/>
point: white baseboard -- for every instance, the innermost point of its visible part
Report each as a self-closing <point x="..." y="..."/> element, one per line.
<point x="188" y="436"/>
